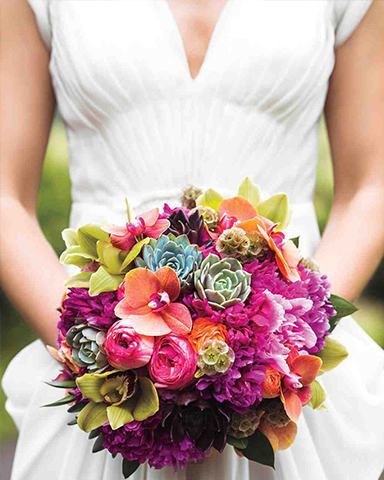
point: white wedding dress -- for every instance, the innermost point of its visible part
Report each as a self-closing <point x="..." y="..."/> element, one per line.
<point x="139" y="126"/>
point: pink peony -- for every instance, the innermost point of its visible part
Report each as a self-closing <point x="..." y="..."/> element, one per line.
<point x="126" y="349"/>
<point x="173" y="362"/>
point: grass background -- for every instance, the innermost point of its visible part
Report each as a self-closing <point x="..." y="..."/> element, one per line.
<point x="53" y="212"/>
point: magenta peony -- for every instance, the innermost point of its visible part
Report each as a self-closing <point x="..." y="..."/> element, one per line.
<point x="126" y="349"/>
<point x="173" y="362"/>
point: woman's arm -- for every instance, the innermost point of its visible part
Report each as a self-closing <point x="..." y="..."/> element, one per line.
<point x="353" y="242"/>
<point x="29" y="269"/>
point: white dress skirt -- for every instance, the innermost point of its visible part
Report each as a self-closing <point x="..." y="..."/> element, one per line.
<point x="140" y="127"/>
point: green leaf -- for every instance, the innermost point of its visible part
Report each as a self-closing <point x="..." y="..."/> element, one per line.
<point x="134" y="252"/>
<point x="276" y="209"/>
<point x="92" y="416"/>
<point x="210" y="198"/>
<point x="295" y="241"/>
<point x="77" y="407"/>
<point x="88" y="235"/>
<point x="72" y="422"/>
<point x="94" y="433"/>
<point x="75" y="256"/>
<point x="119" y="415"/>
<point x="239" y="443"/>
<point x="102" y="281"/>
<point x="342" y="307"/>
<point x="129" y="213"/>
<point x="332" y="355"/>
<point x="259" y="449"/>
<point x="318" y="395"/>
<point x="109" y="256"/>
<point x="130" y="467"/>
<point x="98" y="445"/>
<point x="80" y="280"/>
<point x="63" y="384"/>
<point x="249" y="191"/>
<point x="148" y="402"/>
<point x="69" y="235"/>
<point x="62" y="401"/>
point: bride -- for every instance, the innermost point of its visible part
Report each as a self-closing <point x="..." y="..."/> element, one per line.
<point x="157" y="94"/>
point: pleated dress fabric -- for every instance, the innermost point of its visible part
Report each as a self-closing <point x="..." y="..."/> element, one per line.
<point x="139" y="126"/>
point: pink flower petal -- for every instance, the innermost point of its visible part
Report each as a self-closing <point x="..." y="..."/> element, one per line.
<point x="290" y="253"/>
<point x="149" y="325"/>
<point x="304" y="394"/>
<point x="150" y="217"/>
<point x="158" y="228"/>
<point x="115" y="230"/>
<point x="178" y="318"/>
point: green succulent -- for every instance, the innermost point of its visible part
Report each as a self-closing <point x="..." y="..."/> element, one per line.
<point x="86" y="342"/>
<point x="116" y="397"/>
<point x="174" y="252"/>
<point x="222" y="282"/>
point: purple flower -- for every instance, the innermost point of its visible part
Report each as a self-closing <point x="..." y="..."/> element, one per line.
<point x="97" y="310"/>
<point x="147" y="440"/>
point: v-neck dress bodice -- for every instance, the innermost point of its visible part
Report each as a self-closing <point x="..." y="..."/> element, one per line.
<point x="140" y="127"/>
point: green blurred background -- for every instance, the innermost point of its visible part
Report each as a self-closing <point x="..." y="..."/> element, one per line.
<point x="53" y="211"/>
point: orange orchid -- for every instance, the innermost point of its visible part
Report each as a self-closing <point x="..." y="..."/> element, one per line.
<point x="296" y="386"/>
<point x="148" y="303"/>
<point x="64" y="355"/>
<point x="287" y="255"/>
<point x="280" y="438"/>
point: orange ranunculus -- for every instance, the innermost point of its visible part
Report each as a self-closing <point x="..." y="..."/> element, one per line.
<point x="204" y="330"/>
<point x="270" y="388"/>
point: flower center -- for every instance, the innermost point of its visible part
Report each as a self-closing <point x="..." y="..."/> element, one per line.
<point x="292" y="381"/>
<point x="137" y="227"/>
<point x="159" y="301"/>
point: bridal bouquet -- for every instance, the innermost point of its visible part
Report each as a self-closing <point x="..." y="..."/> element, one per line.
<point x="194" y="328"/>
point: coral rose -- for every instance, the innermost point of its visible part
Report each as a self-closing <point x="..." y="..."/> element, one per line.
<point x="126" y="349"/>
<point x="173" y="362"/>
<point x="270" y="388"/>
<point x="204" y="331"/>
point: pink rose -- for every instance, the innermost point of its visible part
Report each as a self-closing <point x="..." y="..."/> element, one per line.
<point x="126" y="349"/>
<point x="173" y="362"/>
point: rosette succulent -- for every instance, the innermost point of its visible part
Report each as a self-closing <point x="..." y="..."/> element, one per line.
<point x="174" y="252"/>
<point x="222" y="282"/>
<point x="192" y="226"/>
<point x="205" y="424"/>
<point x="86" y="342"/>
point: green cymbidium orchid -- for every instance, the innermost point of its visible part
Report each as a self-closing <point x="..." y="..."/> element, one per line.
<point x="276" y="208"/>
<point x="116" y="397"/>
<point x="103" y="265"/>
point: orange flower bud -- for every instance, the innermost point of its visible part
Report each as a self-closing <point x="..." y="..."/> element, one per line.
<point x="270" y="388"/>
<point x="205" y="330"/>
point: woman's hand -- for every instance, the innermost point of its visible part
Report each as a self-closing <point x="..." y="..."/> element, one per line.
<point x="29" y="269"/>
<point x="353" y="242"/>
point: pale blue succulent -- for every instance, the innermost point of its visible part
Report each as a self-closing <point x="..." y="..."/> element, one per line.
<point x="222" y="282"/>
<point x="174" y="252"/>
